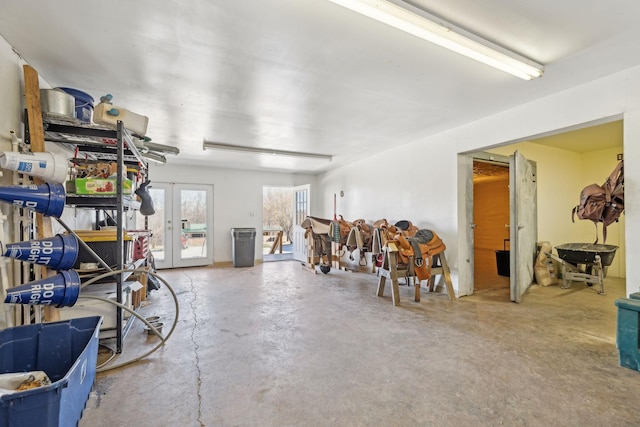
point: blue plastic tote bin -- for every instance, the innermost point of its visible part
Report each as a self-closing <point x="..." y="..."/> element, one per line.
<point x="67" y="352"/>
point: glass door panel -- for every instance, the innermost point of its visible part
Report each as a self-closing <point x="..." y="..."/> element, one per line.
<point x="184" y="215"/>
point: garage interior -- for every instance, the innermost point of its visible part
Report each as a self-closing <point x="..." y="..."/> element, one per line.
<point x="362" y="121"/>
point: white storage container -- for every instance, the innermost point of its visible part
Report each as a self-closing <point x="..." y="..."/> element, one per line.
<point x="106" y="113"/>
<point x="92" y="307"/>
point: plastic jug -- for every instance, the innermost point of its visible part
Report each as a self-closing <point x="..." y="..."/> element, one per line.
<point x="108" y="114"/>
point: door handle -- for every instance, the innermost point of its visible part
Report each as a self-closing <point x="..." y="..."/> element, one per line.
<point x="520" y="227"/>
<point x="473" y="226"/>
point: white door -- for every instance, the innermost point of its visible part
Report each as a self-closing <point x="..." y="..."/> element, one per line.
<point x="523" y="223"/>
<point x="182" y="225"/>
<point x="301" y="209"/>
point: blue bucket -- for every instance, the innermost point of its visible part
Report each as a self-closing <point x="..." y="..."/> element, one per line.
<point x="84" y="104"/>
<point x="57" y="253"/>
<point x="47" y="199"/>
<point x="60" y="290"/>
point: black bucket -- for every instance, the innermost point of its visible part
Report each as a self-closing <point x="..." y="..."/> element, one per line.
<point x="503" y="261"/>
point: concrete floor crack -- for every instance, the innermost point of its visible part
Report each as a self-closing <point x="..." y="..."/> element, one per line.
<point x="196" y="348"/>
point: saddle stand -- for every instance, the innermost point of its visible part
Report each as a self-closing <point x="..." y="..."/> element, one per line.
<point x="390" y="269"/>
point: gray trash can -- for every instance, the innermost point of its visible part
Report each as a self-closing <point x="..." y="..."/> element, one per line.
<point x="243" y="246"/>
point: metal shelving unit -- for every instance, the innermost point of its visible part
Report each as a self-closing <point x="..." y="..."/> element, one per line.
<point x="103" y="144"/>
<point x="94" y="141"/>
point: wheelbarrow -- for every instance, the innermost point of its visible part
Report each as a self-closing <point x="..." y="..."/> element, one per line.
<point x="584" y="262"/>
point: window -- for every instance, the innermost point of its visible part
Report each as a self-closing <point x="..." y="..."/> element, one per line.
<point x="302" y="206"/>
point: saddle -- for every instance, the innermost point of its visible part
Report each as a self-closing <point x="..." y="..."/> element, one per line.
<point x="352" y="235"/>
<point x="317" y="230"/>
<point x="383" y="232"/>
<point x="422" y="245"/>
<point x="360" y="237"/>
<point x="407" y="227"/>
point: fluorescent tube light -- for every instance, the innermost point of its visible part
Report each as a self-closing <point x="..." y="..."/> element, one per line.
<point x="417" y="22"/>
<point x="206" y="145"/>
<point x="155" y="157"/>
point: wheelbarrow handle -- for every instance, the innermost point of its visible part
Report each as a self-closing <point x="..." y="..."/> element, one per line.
<point x="555" y="258"/>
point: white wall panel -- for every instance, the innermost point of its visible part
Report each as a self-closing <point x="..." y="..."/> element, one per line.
<point x="237" y="198"/>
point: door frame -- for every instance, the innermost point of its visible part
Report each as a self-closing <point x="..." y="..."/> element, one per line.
<point x="466" y="265"/>
<point x="173" y="226"/>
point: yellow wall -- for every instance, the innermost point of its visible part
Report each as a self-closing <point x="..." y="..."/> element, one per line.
<point x="596" y="167"/>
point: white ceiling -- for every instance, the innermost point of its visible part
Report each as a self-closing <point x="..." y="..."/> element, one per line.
<point x="308" y="75"/>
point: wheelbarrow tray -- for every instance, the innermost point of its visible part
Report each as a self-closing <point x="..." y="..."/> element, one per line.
<point x="585" y="253"/>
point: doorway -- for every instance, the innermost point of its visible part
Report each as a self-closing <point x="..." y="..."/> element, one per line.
<point x="567" y="160"/>
<point x="491" y="250"/>
<point x="181" y="225"/>
<point x="277" y="223"/>
<point x="520" y="226"/>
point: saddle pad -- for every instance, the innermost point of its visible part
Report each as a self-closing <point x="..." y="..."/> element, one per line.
<point x="317" y="225"/>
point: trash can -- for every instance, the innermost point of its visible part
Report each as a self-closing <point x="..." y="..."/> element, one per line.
<point x="243" y="246"/>
<point x="503" y="261"/>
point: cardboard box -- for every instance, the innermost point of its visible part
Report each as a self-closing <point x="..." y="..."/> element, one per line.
<point x="136" y="293"/>
<point x="101" y="186"/>
<point x="139" y="292"/>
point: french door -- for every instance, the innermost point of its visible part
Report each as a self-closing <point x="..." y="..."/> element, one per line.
<point x="301" y="208"/>
<point x="182" y="226"/>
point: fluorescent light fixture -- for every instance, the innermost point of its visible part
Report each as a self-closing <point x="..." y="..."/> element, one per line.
<point x="155" y="157"/>
<point x="206" y="145"/>
<point x="419" y="23"/>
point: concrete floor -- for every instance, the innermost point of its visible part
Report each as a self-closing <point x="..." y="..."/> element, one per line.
<point x="275" y="345"/>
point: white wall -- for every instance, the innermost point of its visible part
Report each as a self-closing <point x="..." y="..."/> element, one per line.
<point x="10" y="72"/>
<point x="419" y="181"/>
<point x="10" y="107"/>
<point x="11" y="112"/>
<point x="237" y="198"/>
